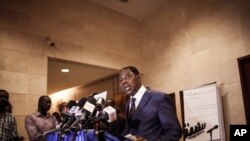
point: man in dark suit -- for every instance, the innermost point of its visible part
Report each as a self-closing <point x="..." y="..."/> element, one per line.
<point x="152" y="116"/>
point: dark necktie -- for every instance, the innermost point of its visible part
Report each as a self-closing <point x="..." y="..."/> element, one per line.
<point x="132" y="108"/>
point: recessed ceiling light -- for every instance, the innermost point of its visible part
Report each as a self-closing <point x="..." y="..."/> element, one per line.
<point x="64" y="70"/>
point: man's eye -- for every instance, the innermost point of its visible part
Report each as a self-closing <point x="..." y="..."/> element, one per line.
<point x="128" y="76"/>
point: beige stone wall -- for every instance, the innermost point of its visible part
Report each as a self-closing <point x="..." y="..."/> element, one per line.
<point x="82" y="32"/>
<point x="191" y="43"/>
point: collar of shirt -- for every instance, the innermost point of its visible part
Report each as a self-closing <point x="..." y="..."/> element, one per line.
<point x="38" y="114"/>
<point x="139" y="95"/>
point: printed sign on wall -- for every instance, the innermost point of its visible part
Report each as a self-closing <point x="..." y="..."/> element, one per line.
<point x="203" y="117"/>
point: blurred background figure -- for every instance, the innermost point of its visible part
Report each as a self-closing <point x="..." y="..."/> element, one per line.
<point x="62" y="108"/>
<point x="8" y="127"/>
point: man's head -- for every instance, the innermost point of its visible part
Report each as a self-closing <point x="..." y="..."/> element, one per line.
<point x="44" y="103"/>
<point x="4" y="94"/>
<point x="130" y="80"/>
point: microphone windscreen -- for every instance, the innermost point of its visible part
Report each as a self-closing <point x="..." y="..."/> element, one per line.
<point x="71" y="103"/>
<point x="66" y="114"/>
<point x="111" y="112"/>
<point x="91" y="100"/>
<point x="81" y="102"/>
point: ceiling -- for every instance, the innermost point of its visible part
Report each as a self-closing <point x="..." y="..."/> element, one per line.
<point x="79" y="74"/>
<point x="84" y="74"/>
<point x="136" y="9"/>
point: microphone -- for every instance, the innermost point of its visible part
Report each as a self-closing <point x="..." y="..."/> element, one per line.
<point x="70" y="104"/>
<point x="66" y="114"/>
<point x="78" y="114"/>
<point x="90" y="104"/>
<point x="81" y="102"/>
<point x="108" y="114"/>
<point x="210" y="130"/>
<point x="73" y="111"/>
<point x="99" y="106"/>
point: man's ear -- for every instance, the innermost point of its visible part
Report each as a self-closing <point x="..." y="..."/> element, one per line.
<point x="139" y="77"/>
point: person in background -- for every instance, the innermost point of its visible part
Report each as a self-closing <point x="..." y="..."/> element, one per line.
<point x="8" y="109"/>
<point x="8" y="130"/>
<point x="37" y="123"/>
<point x="8" y="126"/>
<point x="62" y="108"/>
<point x="4" y="94"/>
<point x="150" y="114"/>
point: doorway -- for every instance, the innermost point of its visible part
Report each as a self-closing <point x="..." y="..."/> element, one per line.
<point x="244" y="69"/>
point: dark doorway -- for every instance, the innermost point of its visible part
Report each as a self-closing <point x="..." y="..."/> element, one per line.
<point x="244" y="68"/>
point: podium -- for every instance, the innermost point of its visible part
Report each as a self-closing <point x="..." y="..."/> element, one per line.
<point x="83" y="135"/>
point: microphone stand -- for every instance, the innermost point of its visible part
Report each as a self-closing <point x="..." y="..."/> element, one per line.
<point x="211" y="135"/>
<point x="99" y="132"/>
<point x="74" y="134"/>
<point x="211" y="130"/>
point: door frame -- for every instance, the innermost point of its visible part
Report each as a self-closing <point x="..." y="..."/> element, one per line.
<point x="245" y="82"/>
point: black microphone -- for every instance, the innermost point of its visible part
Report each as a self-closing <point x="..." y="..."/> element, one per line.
<point x="74" y="110"/>
<point x="70" y="104"/>
<point x="80" y="114"/>
<point x="210" y="130"/>
<point x="90" y="104"/>
<point x="91" y="100"/>
<point x="66" y="114"/>
<point x="81" y="102"/>
<point x="87" y="107"/>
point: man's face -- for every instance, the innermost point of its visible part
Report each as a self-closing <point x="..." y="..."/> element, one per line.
<point x="45" y="104"/>
<point x="129" y="82"/>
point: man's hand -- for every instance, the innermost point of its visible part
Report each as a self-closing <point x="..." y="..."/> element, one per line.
<point x="139" y="138"/>
<point x="135" y="137"/>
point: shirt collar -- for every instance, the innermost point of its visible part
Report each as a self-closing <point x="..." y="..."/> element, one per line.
<point x="140" y="93"/>
<point x="38" y="114"/>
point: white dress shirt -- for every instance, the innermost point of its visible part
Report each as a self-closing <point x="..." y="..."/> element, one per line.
<point x="138" y="96"/>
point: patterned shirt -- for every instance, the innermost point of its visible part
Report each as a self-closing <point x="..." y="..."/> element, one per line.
<point x="36" y="124"/>
<point x="8" y="128"/>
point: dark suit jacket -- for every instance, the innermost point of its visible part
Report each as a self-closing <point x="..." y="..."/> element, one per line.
<point x="154" y="119"/>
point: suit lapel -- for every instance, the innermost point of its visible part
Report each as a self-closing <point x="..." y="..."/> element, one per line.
<point x="144" y="100"/>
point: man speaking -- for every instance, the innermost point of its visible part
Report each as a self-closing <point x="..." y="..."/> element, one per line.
<point x="150" y="114"/>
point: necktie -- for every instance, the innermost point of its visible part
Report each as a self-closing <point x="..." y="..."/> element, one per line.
<point x="132" y="108"/>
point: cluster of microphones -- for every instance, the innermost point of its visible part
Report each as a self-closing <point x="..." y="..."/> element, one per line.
<point x="88" y="113"/>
